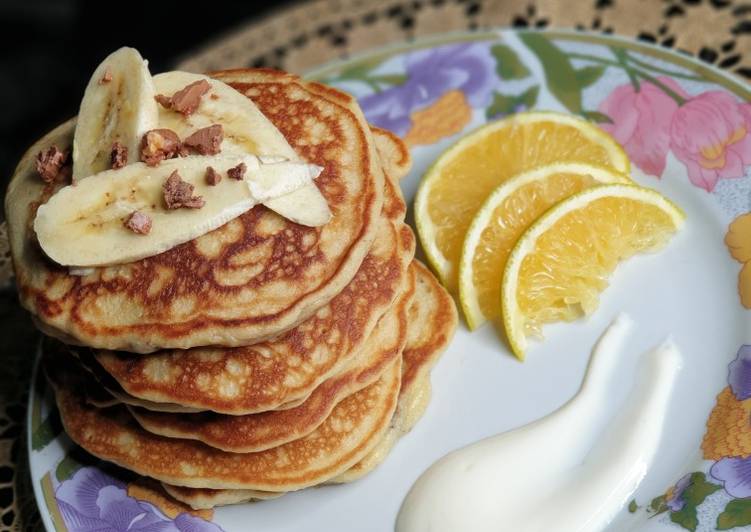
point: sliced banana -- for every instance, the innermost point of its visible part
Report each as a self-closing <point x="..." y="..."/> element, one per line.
<point x="246" y="130"/>
<point x="118" y="106"/>
<point x="82" y="225"/>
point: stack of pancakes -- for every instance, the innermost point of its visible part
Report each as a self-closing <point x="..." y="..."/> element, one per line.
<point x="264" y="356"/>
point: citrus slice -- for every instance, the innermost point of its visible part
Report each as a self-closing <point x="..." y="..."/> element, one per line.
<point x="560" y="265"/>
<point x="506" y="214"/>
<point x="460" y="180"/>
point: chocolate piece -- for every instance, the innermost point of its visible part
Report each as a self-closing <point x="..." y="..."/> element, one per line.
<point x="164" y="101"/>
<point x="179" y="193"/>
<point x="206" y="141"/>
<point x="49" y="163"/>
<point x="158" y="145"/>
<point x="118" y="155"/>
<point x="107" y="77"/>
<point x="238" y="172"/>
<point x="139" y="223"/>
<point x="187" y="99"/>
<point x="212" y="176"/>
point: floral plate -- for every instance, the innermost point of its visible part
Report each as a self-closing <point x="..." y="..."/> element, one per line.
<point x="687" y="130"/>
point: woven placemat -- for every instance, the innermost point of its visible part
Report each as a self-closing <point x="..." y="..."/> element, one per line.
<point x="312" y="33"/>
<point x="306" y="35"/>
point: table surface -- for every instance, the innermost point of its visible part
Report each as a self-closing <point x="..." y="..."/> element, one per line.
<point x="308" y="34"/>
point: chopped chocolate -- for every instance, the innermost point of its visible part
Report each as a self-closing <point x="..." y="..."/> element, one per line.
<point x="186" y="100"/>
<point x="49" y="163"/>
<point x="212" y="176"/>
<point x="164" y="101"/>
<point x="206" y="141"/>
<point x="238" y="172"/>
<point x="179" y="193"/>
<point x="107" y="77"/>
<point x="158" y="145"/>
<point x="118" y="155"/>
<point x="139" y="223"/>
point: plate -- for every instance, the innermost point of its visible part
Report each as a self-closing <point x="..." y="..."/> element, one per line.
<point x="688" y="132"/>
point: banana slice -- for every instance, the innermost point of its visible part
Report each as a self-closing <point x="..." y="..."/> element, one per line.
<point x="246" y="130"/>
<point x="118" y="106"/>
<point x="83" y="225"/>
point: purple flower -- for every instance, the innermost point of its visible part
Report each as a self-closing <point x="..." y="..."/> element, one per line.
<point x="94" y="501"/>
<point x="675" y="501"/>
<point x="735" y="475"/>
<point x="468" y="67"/>
<point x="739" y="375"/>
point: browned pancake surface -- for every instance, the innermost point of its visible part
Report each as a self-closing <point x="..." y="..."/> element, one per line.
<point x="432" y="322"/>
<point x="354" y="427"/>
<point x="433" y="318"/>
<point x="270" y="374"/>
<point x="394" y="153"/>
<point x="257" y="432"/>
<point x="252" y="278"/>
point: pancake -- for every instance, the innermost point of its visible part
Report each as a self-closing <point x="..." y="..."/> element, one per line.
<point x="149" y="490"/>
<point x="258" y="432"/>
<point x="354" y="427"/>
<point x="393" y="152"/>
<point x="275" y="373"/>
<point x="433" y="319"/>
<point x="249" y="280"/>
<point x="431" y="325"/>
<point x="395" y="155"/>
<point x="205" y="499"/>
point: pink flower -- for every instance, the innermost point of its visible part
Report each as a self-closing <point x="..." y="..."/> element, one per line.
<point x="711" y="135"/>
<point x="641" y="122"/>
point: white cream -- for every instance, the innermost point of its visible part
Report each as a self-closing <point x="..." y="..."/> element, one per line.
<point x="544" y="476"/>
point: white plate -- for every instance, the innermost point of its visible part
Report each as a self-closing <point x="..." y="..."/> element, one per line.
<point x="691" y="290"/>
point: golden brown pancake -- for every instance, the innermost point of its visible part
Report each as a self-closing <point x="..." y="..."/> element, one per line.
<point x="433" y="319"/>
<point x="147" y="489"/>
<point x="393" y="152"/>
<point x="432" y="322"/>
<point x="249" y="280"/>
<point x="351" y="431"/>
<point x="275" y="373"/>
<point x="258" y="432"/>
<point x="205" y="499"/>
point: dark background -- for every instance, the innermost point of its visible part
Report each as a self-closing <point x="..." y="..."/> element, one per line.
<point x="49" y="48"/>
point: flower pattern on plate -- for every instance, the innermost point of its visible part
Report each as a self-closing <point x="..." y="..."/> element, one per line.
<point x="92" y="500"/>
<point x="641" y="122"/>
<point x="738" y="241"/>
<point x="710" y="133"/>
<point x="666" y="114"/>
<point x="431" y="74"/>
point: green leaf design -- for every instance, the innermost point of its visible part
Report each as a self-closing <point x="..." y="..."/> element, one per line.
<point x="589" y="75"/>
<point x="508" y="64"/>
<point x="67" y="467"/>
<point x="736" y="513"/>
<point x="699" y="489"/>
<point x="658" y="505"/>
<point x="391" y="79"/>
<point x="695" y="494"/>
<point x="360" y="69"/>
<point x="632" y="506"/>
<point x="686" y="518"/>
<point x="46" y="431"/>
<point x="506" y="104"/>
<point x="597" y="116"/>
<point x="560" y="75"/>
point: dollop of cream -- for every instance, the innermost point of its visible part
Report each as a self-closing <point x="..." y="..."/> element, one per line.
<point x="546" y="476"/>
